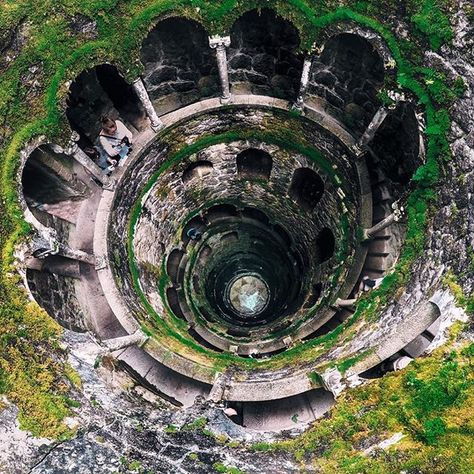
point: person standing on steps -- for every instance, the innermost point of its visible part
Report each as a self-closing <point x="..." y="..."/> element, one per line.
<point x="115" y="143"/>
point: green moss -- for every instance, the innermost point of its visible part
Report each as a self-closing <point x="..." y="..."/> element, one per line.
<point x="222" y="468"/>
<point x="134" y="466"/>
<point x="466" y="302"/>
<point x="170" y="429"/>
<point x="346" y="364"/>
<point x="432" y="21"/>
<point x="72" y="376"/>
<point x="198" y="424"/>
<point x="430" y="404"/>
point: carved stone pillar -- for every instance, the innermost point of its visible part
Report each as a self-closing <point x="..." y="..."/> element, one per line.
<point x="220" y="43"/>
<point x="395" y="216"/>
<point x="340" y="303"/>
<point x="304" y="83"/>
<point x="78" y="255"/>
<point x="75" y="151"/>
<point x="142" y="93"/>
<point x="361" y="146"/>
<point x="138" y="337"/>
<point x="46" y="244"/>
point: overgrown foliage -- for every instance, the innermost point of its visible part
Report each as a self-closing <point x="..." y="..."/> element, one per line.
<point x="429" y="403"/>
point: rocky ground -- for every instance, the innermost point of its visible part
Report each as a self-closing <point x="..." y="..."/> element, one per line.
<point x="123" y="427"/>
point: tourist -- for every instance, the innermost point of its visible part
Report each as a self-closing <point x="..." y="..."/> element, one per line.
<point x="368" y="283"/>
<point x="115" y="141"/>
<point x="194" y="234"/>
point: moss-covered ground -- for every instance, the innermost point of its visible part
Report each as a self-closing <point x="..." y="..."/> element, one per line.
<point x="429" y="403"/>
<point x="432" y="406"/>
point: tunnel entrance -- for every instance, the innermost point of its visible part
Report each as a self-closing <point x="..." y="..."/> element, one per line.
<point x="262" y="55"/>
<point x="180" y="66"/>
<point x="346" y="77"/>
<point x="50" y="186"/>
<point x="252" y="278"/>
<point x="254" y="163"/>
<point x="306" y="188"/>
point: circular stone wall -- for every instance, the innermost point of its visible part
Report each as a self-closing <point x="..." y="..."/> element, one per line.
<point x="200" y="219"/>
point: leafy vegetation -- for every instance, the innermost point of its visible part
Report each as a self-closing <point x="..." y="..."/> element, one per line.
<point x="222" y="468"/>
<point x="433" y="21"/>
<point x="429" y="403"/>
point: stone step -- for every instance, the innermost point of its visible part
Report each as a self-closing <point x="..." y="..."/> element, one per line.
<point x="416" y="347"/>
<point x="286" y="413"/>
<point x="377" y="271"/>
<point x="379" y="262"/>
<point x="175" y="387"/>
<point x="378" y="254"/>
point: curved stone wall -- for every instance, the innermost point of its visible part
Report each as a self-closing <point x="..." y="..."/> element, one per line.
<point x="263" y="57"/>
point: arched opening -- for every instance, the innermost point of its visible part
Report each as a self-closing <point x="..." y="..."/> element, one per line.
<point x="398" y="361"/>
<point x="283" y="235"/>
<point x="255" y="214"/>
<point x="203" y="258"/>
<point x="180" y="67"/>
<point x="193" y="230"/>
<point x="306" y="188"/>
<point x="50" y="184"/>
<point x="197" y="170"/>
<point x="230" y="237"/>
<point x="346" y="77"/>
<point x="326" y="244"/>
<point x="254" y="164"/>
<point x="220" y="211"/>
<point x="174" y="302"/>
<point x="397" y="144"/>
<point x="52" y="286"/>
<point x="262" y="55"/>
<point x="102" y="91"/>
<point x="314" y="295"/>
<point x="172" y="264"/>
<point x="283" y="413"/>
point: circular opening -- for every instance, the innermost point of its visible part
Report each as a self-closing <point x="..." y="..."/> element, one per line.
<point x="248" y="294"/>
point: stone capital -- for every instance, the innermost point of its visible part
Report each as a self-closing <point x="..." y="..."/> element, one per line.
<point x="358" y="150"/>
<point x="396" y="96"/>
<point x="219" y="41"/>
<point x="72" y="145"/>
<point x="333" y="382"/>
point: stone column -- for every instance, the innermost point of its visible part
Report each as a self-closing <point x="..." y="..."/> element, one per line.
<point x="395" y="216"/>
<point x="333" y="382"/>
<point x="218" y="388"/>
<point x="220" y="43"/>
<point x="361" y="146"/>
<point x="142" y="93"/>
<point x="78" y="255"/>
<point x="340" y="303"/>
<point x="138" y="337"/>
<point x="299" y="104"/>
<point x="75" y="151"/>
